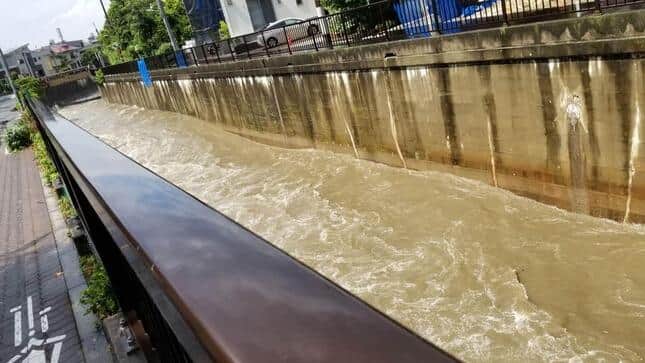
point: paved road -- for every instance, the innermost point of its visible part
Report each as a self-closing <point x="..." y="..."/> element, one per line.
<point x="36" y="320"/>
<point x="7" y="103"/>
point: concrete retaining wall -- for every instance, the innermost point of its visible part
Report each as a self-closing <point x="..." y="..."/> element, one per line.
<point x="78" y="87"/>
<point x="551" y="111"/>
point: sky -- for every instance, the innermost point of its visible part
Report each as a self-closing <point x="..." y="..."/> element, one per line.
<point x="35" y="21"/>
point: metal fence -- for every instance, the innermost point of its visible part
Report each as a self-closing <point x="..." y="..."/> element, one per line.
<point x="374" y="23"/>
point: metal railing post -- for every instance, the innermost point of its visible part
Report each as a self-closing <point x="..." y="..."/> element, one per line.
<point x="286" y="38"/>
<point x="192" y="51"/>
<point x="216" y="47"/>
<point x="246" y="45"/>
<point x="230" y="49"/>
<point x="384" y="23"/>
<point x="504" y="12"/>
<point x="313" y="36"/>
<point x="326" y="32"/>
<point x="205" y="54"/>
<point x="435" y="16"/>
<point x="342" y="22"/>
<point x="266" y="46"/>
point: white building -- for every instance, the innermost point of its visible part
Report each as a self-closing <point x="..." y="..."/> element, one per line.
<point x="248" y="16"/>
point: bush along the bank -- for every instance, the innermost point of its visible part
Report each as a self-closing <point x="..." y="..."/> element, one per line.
<point x="99" y="77"/>
<point x="31" y="87"/>
<point x="18" y="135"/>
<point x="98" y="298"/>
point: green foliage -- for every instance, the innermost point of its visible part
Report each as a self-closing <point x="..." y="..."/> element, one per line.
<point x="135" y="29"/>
<point x="165" y="48"/>
<point x="224" y="33"/>
<point x="18" y="136"/>
<point x="338" y="5"/>
<point x="88" y="58"/>
<point x="47" y="168"/>
<point x="29" y="87"/>
<point x="66" y="207"/>
<point x="99" y="77"/>
<point x="98" y="298"/>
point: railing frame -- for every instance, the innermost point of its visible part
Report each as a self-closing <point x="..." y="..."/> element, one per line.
<point x="368" y="19"/>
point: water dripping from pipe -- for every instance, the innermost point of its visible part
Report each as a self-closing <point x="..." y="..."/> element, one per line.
<point x="577" y="160"/>
<point x="392" y="123"/>
<point x="633" y="153"/>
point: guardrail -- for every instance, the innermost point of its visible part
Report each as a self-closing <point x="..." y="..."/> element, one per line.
<point x="374" y="23"/>
<point x="204" y="287"/>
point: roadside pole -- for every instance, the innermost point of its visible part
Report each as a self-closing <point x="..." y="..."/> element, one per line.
<point x="104" y="11"/>
<point x="171" y="34"/>
<point x="6" y="72"/>
<point x="321" y="14"/>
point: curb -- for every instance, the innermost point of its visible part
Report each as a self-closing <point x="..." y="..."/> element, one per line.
<point x="93" y="342"/>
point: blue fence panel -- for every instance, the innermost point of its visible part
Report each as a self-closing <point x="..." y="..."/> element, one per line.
<point x="144" y="72"/>
<point x="181" y="59"/>
<point x="412" y="15"/>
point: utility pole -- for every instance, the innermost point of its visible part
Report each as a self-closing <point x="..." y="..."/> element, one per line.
<point x="26" y="58"/>
<point x="6" y="72"/>
<point x="104" y="11"/>
<point x="171" y="34"/>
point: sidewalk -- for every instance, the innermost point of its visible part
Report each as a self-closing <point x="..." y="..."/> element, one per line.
<point x="36" y="319"/>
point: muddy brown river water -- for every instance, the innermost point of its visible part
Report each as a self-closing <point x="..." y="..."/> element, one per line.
<point x="487" y="275"/>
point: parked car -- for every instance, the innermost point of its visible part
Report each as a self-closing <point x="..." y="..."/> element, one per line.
<point x="289" y="29"/>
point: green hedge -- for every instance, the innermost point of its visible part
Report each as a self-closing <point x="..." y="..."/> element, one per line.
<point x="18" y="135"/>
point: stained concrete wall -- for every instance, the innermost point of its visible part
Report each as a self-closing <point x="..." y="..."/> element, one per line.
<point x="550" y="111"/>
<point x="71" y="88"/>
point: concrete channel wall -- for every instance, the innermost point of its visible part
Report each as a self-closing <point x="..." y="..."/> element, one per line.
<point x="552" y="111"/>
<point x="70" y="88"/>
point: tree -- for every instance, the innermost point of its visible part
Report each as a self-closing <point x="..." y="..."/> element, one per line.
<point x="89" y="57"/>
<point x="134" y="29"/>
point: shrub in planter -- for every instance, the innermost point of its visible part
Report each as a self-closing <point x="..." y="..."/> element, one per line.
<point x="66" y="207"/>
<point x="18" y="136"/>
<point x="98" y="297"/>
<point x="46" y="166"/>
